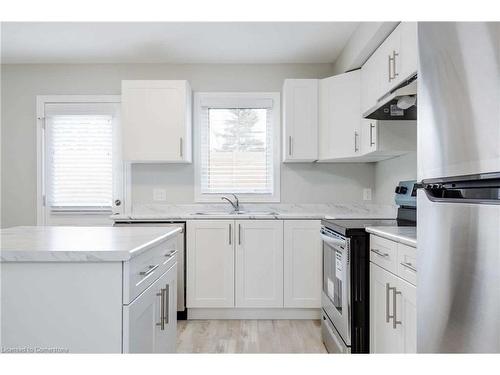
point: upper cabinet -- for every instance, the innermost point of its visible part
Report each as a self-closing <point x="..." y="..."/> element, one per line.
<point x="300" y="120"/>
<point x="156" y="118"/>
<point x="390" y="65"/>
<point x="339" y="116"/>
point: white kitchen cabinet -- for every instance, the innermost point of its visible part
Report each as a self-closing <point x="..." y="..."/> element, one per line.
<point x="151" y="318"/>
<point x="302" y="267"/>
<point x="300" y="120"/>
<point x="259" y="263"/>
<point x="210" y="263"/>
<point x="383" y="337"/>
<point x="382" y="140"/>
<point x="156" y="121"/>
<point x="394" y="61"/>
<point x="393" y="301"/>
<point x="339" y="116"/>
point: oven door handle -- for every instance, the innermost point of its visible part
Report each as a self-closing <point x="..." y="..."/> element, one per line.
<point x="332" y="241"/>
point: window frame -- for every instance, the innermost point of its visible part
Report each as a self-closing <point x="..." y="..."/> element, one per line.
<point x="274" y="197"/>
<point x="73" y="217"/>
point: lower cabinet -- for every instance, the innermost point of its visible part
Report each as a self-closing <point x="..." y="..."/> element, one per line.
<point x="259" y="263"/>
<point x="210" y="263"/>
<point x="393" y="313"/>
<point x="152" y="317"/>
<point x="302" y="253"/>
<point x="253" y="264"/>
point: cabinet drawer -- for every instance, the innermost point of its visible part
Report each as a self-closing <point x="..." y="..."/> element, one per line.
<point x="141" y="271"/>
<point x="407" y="263"/>
<point x="384" y="253"/>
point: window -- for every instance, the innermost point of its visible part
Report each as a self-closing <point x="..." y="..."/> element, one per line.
<point x="81" y="164"/>
<point x="238" y="137"/>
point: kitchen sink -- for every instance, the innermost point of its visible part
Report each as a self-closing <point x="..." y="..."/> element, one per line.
<point x="236" y="213"/>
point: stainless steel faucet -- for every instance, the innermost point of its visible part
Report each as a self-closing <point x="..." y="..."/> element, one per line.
<point x="235" y="204"/>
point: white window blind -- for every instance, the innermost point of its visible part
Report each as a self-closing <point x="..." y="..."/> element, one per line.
<point x="80" y="156"/>
<point x="236" y="147"/>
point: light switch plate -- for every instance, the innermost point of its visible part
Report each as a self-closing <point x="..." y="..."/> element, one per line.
<point x="367" y="194"/>
<point x="159" y="195"/>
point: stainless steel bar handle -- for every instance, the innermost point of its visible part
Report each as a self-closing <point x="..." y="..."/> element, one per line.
<point x="239" y="234"/>
<point x="162" y="311"/>
<point x="389" y="65"/>
<point x="409" y="266"/>
<point x="150" y="270"/>
<point x="230" y="233"/>
<point x="387" y="305"/>
<point x="395" y="321"/>
<point x="371" y="135"/>
<point x="290" y="145"/>
<point x="180" y="147"/>
<point x="379" y="253"/>
<point x="356" y="149"/>
<point x="394" y="55"/>
<point x="166" y="314"/>
<point x="170" y="253"/>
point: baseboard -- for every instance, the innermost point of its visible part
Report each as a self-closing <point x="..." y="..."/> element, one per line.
<point x="240" y="313"/>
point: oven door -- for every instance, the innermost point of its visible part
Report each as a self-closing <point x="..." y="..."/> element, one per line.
<point x="336" y="296"/>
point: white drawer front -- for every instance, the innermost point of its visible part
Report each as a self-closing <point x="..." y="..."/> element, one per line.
<point x="407" y="263"/>
<point x="384" y="253"/>
<point x="144" y="269"/>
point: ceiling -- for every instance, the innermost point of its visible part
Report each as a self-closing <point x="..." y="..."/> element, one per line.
<point x="174" y="42"/>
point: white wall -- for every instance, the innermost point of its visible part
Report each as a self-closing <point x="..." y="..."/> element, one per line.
<point x="389" y="172"/>
<point x="21" y="83"/>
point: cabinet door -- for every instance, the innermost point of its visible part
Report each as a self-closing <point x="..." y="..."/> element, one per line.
<point x="300" y="120"/>
<point x="210" y="263"/>
<point x="390" y="69"/>
<point x="166" y="334"/>
<point x="406" y="313"/>
<point x="340" y="101"/>
<point x="259" y="263"/>
<point x="371" y="76"/>
<point x="384" y="338"/>
<point x="143" y="331"/>
<point x="302" y="252"/>
<point x="156" y="121"/>
<point x="369" y="132"/>
<point x="409" y="49"/>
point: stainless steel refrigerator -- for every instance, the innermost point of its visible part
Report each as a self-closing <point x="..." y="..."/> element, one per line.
<point x="458" y="287"/>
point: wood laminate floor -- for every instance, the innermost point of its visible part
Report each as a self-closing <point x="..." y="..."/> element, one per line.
<point x="249" y="336"/>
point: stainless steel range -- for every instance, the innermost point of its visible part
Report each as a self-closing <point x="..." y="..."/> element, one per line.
<point x="345" y="296"/>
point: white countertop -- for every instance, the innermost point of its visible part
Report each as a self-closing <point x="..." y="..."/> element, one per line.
<point x="255" y="211"/>
<point x="404" y="235"/>
<point x="78" y="244"/>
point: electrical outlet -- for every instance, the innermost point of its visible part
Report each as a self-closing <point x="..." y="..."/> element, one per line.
<point x="159" y="195"/>
<point x="367" y="194"/>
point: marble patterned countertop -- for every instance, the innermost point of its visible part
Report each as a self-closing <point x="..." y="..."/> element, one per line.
<point x="404" y="235"/>
<point x="79" y="244"/>
<point x="258" y="211"/>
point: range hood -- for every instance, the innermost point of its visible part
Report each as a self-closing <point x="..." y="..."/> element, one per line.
<point x="399" y="104"/>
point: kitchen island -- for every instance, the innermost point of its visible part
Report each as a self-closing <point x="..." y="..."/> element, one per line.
<point x="88" y="289"/>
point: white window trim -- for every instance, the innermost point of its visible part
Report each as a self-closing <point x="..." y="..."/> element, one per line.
<point x="199" y="197"/>
<point x="41" y="101"/>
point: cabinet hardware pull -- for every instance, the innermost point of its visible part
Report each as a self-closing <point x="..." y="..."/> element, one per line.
<point x="170" y="253"/>
<point x="409" y="266"/>
<point x="379" y="253"/>
<point x="395" y="320"/>
<point x="230" y="233"/>
<point x="387" y="315"/>
<point x="394" y="55"/>
<point x="389" y="65"/>
<point x="371" y="135"/>
<point x="239" y="234"/>
<point x="166" y="300"/>
<point x="180" y="147"/>
<point x="290" y="145"/>
<point x="356" y="149"/>
<point x="162" y="311"/>
<point x="149" y="271"/>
